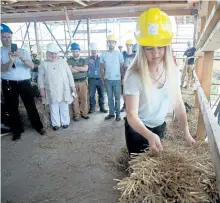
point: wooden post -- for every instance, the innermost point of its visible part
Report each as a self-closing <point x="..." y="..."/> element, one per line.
<point x="207" y="72"/>
<point x="88" y="35"/>
<point x="36" y="37"/>
<point x="206" y="85"/>
<point x="68" y="23"/>
<point x="199" y="69"/>
<point x="64" y="24"/>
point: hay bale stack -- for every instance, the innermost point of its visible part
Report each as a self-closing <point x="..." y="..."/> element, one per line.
<point x="179" y="174"/>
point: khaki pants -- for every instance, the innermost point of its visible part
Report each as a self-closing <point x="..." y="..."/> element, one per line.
<point x="188" y="73"/>
<point x="80" y="104"/>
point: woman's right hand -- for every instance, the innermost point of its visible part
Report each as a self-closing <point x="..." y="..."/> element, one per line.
<point x="155" y="143"/>
<point x="42" y="92"/>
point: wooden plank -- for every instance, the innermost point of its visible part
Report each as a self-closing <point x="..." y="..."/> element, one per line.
<point x="59" y="15"/>
<point x="199" y="69"/>
<point x="88" y="35"/>
<point x="212" y="129"/>
<point x="213" y="41"/>
<point x="68" y="23"/>
<point x="81" y="2"/>
<point x="207" y="73"/>
<point x="210" y="24"/>
<point x="37" y="37"/>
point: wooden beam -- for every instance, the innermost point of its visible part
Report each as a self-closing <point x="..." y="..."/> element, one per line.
<point x="77" y="15"/>
<point x="213" y="41"/>
<point x="37" y="37"/>
<point x="68" y="24"/>
<point x="88" y="35"/>
<point x="199" y="69"/>
<point x="210" y="24"/>
<point x="81" y="3"/>
<point x="207" y="73"/>
<point x="212" y="129"/>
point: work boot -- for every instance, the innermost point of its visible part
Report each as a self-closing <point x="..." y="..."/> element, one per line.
<point x="109" y="117"/>
<point x="76" y="118"/>
<point x="16" y="136"/>
<point x="85" y="117"/>
<point x="103" y="110"/>
<point x="91" y="110"/>
<point x="65" y="126"/>
<point x="118" y="118"/>
<point x="55" y="128"/>
<point x="42" y="131"/>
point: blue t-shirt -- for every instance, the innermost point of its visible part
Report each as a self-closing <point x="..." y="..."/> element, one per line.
<point x="112" y="61"/>
<point x="190" y="52"/>
<point x="94" y="67"/>
<point x="21" y="71"/>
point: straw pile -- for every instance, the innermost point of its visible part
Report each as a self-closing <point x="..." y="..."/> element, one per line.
<point x="178" y="175"/>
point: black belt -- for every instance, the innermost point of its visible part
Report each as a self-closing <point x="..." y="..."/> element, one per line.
<point x="15" y="81"/>
<point x="94" y="78"/>
<point x="80" y="80"/>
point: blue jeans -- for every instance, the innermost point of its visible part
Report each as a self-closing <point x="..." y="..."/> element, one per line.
<point x="113" y="88"/>
<point x="96" y="84"/>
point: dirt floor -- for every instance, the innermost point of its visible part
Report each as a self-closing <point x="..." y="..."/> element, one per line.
<point x="68" y="166"/>
<point x="76" y="165"/>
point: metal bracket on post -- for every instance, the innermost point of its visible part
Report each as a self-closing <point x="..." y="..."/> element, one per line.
<point x="54" y="37"/>
<point x="25" y="34"/>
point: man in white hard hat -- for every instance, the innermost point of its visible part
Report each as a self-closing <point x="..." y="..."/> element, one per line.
<point x="94" y="80"/>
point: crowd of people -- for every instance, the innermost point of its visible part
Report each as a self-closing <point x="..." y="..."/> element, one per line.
<point x="62" y="82"/>
<point x="146" y="73"/>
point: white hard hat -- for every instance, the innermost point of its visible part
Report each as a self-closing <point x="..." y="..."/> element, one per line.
<point x="53" y="48"/>
<point x="93" y="46"/>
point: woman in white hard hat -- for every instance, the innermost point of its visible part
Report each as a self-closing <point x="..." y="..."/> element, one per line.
<point x="56" y="82"/>
<point x="151" y="85"/>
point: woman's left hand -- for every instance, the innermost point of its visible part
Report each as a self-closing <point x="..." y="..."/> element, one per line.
<point x="189" y="139"/>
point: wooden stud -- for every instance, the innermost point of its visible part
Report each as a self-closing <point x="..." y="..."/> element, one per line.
<point x="206" y="85"/>
<point x="37" y="37"/>
<point x="199" y="69"/>
<point x="88" y="34"/>
<point x="68" y="24"/>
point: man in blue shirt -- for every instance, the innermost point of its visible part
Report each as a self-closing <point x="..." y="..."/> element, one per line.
<point x="189" y="66"/>
<point x="111" y="63"/>
<point x="16" y="67"/>
<point x="94" y="80"/>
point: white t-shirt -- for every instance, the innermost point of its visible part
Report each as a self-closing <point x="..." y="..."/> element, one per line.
<point x="151" y="114"/>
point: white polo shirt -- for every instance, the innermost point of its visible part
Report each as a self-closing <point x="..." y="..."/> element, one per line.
<point x="21" y="71"/>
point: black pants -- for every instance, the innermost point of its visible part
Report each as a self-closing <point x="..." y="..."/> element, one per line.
<point x="11" y="91"/>
<point x="135" y="142"/>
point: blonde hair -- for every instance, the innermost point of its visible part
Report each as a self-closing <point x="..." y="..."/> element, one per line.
<point x="140" y="66"/>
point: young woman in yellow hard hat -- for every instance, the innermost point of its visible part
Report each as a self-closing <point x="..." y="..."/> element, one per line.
<point x="152" y="84"/>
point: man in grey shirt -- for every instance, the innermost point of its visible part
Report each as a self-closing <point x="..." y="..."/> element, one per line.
<point x="111" y="62"/>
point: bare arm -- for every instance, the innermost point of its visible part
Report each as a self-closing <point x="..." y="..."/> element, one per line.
<point x="28" y="63"/>
<point x="181" y="116"/>
<point x="132" y="104"/>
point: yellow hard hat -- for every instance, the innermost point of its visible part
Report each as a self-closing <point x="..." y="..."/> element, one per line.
<point x="129" y="41"/>
<point x="111" y="38"/>
<point x="153" y="28"/>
